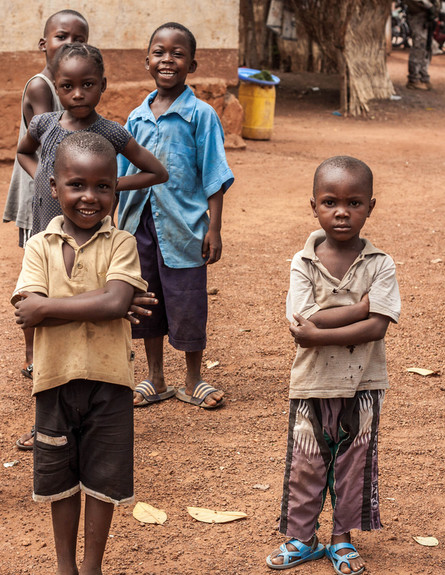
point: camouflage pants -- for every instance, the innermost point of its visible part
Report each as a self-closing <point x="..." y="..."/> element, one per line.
<point x="420" y="53"/>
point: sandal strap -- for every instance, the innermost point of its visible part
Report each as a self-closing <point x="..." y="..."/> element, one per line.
<point x="353" y="554"/>
<point x="202" y="390"/>
<point x="302" y="550"/>
<point x="147" y="390"/>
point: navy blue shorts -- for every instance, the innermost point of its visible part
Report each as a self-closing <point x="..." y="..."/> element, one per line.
<point x="84" y="441"/>
<point x="182" y="293"/>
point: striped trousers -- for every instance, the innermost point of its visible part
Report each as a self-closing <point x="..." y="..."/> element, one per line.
<point x="332" y="445"/>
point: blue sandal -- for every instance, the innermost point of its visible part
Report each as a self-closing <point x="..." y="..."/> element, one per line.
<point x="292" y="558"/>
<point x="337" y="560"/>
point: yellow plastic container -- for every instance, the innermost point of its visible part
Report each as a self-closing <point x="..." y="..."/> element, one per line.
<point x="258" y="103"/>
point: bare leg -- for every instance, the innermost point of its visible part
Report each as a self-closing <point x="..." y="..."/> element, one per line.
<point x="29" y="342"/>
<point x="98" y="516"/>
<point x="65" y="515"/>
<point x="356" y="564"/>
<point x="154" y="349"/>
<point x="27" y="439"/>
<point x="193" y="360"/>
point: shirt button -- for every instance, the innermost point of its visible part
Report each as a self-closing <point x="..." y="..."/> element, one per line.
<point x="156" y="214"/>
<point x="80" y="266"/>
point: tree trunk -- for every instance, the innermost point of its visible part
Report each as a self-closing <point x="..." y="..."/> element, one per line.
<point x="352" y="34"/>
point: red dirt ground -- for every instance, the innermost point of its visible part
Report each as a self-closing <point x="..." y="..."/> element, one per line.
<point x="190" y="457"/>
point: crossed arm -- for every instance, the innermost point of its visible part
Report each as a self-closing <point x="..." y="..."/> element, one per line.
<point x="116" y="300"/>
<point x="345" y="325"/>
<point x="152" y="172"/>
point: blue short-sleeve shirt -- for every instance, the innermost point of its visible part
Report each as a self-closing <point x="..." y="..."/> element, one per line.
<point x="189" y="141"/>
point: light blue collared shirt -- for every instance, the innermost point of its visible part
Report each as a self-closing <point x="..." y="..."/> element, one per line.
<point x="189" y="141"/>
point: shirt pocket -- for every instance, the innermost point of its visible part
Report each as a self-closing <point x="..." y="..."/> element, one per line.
<point x="182" y="167"/>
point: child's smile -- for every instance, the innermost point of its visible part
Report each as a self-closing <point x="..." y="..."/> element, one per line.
<point x="169" y="60"/>
<point x="85" y="189"/>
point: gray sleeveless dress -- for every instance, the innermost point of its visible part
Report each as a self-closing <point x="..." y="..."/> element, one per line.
<point x="18" y="206"/>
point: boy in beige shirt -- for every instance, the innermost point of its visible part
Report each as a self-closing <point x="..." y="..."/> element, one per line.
<point x="343" y="294"/>
<point x="78" y="280"/>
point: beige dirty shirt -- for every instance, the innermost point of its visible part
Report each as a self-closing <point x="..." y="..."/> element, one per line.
<point x="338" y="371"/>
<point x="99" y="351"/>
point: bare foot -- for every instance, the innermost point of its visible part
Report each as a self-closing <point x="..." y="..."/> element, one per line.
<point x="277" y="558"/>
<point x="137" y="398"/>
<point x="356" y="564"/>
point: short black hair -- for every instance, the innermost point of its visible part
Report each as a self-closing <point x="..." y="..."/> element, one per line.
<point x="63" y="13"/>
<point x="347" y="163"/>
<point x="83" y="142"/>
<point x="176" y="26"/>
<point x="79" y="50"/>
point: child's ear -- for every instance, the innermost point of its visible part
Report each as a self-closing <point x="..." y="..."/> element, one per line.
<point x="52" y="183"/>
<point x="104" y="85"/>
<point x="193" y="66"/>
<point x="314" y="207"/>
<point x="371" y="206"/>
<point x="147" y="63"/>
<point x="42" y="44"/>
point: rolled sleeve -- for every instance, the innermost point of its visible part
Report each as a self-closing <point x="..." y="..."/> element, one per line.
<point x="300" y="298"/>
<point x="384" y="296"/>
<point x="125" y="265"/>
<point x="211" y="156"/>
<point x="33" y="275"/>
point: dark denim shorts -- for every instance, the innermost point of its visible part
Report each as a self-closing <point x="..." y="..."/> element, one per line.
<point x="84" y="440"/>
<point x="182" y="293"/>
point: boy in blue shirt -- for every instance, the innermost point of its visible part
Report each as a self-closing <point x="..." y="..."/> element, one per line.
<point x="176" y="238"/>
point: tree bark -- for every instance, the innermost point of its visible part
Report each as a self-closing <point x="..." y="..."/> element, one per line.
<point x="352" y="34"/>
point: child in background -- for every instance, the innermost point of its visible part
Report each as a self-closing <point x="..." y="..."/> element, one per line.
<point x="80" y="82"/>
<point x="39" y="96"/>
<point x="77" y="281"/>
<point x="174" y="234"/>
<point x="343" y="294"/>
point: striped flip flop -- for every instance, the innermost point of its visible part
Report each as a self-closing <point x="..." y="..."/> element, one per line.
<point x="150" y="395"/>
<point x="201" y="390"/>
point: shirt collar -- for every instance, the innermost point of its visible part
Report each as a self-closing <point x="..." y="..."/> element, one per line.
<point x="184" y="106"/>
<point x="55" y="228"/>
<point x="319" y="235"/>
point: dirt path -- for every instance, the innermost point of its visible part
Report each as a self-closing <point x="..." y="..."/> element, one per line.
<point x="190" y="457"/>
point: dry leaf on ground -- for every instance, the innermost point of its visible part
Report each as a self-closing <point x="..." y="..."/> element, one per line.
<point x="146" y="513"/>
<point x="421" y="371"/>
<point x="211" y="516"/>
<point x="426" y="541"/>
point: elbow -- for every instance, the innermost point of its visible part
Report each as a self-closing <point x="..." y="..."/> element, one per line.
<point x="117" y="310"/>
<point x="378" y="326"/>
<point x="20" y="158"/>
<point x="378" y="332"/>
<point x="163" y="176"/>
